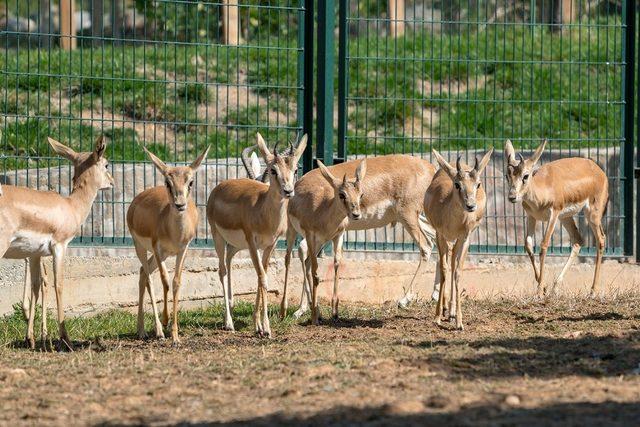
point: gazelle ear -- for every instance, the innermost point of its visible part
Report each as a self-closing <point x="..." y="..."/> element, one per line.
<point x="509" y="153"/>
<point x="331" y="179"/>
<point x="300" y="148"/>
<point x="361" y="171"/>
<point x="255" y="164"/>
<point x="538" y="153"/>
<point x="450" y="170"/>
<point x="197" y="162"/>
<point x="484" y="162"/>
<point x="262" y="146"/>
<point x="100" y="147"/>
<point x="159" y="164"/>
<point x="63" y="150"/>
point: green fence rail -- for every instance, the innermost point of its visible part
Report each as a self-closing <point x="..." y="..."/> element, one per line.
<point x="459" y="76"/>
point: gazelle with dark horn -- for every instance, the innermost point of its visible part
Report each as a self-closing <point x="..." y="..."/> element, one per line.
<point x="247" y="214"/>
<point x="36" y="224"/>
<point x="454" y="203"/>
<point x="558" y="190"/>
<point x="163" y="220"/>
<point x="357" y="196"/>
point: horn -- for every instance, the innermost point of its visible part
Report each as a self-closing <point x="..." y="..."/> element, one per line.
<point x="291" y="149"/>
<point x="275" y="149"/>
<point x="475" y="166"/>
<point x="458" y="163"/>
<point x="344" y="179"/>
<point x="520" y="157"/>
<point x="245" y="160"/>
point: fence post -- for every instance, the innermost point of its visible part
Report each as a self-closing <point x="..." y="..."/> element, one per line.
<point x="637" y="170"/>
<point x="326" y="60"/>
<point x="68" y="40"/>
<point x="629" y="105"/>
<point x="396" y="18"/>
<point x="307" y="118"/>
<point x="230" y="22"/>
<point x="342" y="80"/>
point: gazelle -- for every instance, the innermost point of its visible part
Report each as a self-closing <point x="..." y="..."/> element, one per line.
<point x="323" y="210"/>
<point x="163" y="220"/>
<point x="247" y="214"/>
<point x="35" y="224"/>
<point x="558" y="190"/>
<point x="455" y="204"/>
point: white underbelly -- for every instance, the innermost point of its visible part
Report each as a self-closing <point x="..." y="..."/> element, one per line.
<point x="25" y="244"/>
<point x="574" y="209"/>
<point x="236" y="238"/>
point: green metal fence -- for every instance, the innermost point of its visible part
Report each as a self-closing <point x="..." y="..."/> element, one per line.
<point x="463" y="76"/>
<point x="459" y="76"/>
<point x="157" y="72"/>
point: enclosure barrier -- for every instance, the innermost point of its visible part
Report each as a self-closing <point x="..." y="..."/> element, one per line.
<point x="460" y="77"/>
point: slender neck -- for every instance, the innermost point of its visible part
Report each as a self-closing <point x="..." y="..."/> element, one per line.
<point x="81" y="199"/>
<point x="273" y="197"/>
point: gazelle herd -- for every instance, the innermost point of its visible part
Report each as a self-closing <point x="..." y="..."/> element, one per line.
<point x="443" y="206"/>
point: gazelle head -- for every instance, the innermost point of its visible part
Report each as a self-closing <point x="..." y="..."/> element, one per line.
<point x="178" y="179"/>
<point x="282" y="167"/>
<point x="91" y="168"/>
<point x="520" y="170"/>
<point x="466" y="180"/>
<point x="349" y="193"/>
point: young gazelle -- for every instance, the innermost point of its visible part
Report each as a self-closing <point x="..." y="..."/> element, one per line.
<point x="247" y="214"/>
<point x="35" y="224"/>
<point x="558" y="190"/>
<point x="163" y="220"/>
<point x="393" y="191"/>
<point x="455" y="204"/>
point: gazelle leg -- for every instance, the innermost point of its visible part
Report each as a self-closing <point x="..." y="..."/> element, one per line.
<point x="337" y="260"/>
<point x="177" y="281"/>
<point x="34" y="270"/>
<point x="312" y="268"/>
<point x="443" y="250"/>
<point x="231" y="251"/>
<point x="266" y="257"/>
<point x="58" y="277"/>
<point x="528" y="244"/>
<point x="598" y="232"/>
<point x="459" y="256"/>
<point x="543" y="249"/>
<point x="576" y="243"/>
<point x="43" y="286"/>
<point x="221" y="249"/>
<point x="26" y="291"/>
<point x="158" y="259"/>
<point x="422" y="235"/>
<point x="291" y="238"/>
<point x="305" y="296"/>
<point x="257" y="265"/>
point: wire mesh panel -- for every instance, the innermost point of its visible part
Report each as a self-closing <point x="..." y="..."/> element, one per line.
<point x="175" y="75"/>
<point x="463" y="76"/>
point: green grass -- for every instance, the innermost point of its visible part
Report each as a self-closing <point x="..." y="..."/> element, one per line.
<point x="120" y="324"/>
<point x="482" y="85"/>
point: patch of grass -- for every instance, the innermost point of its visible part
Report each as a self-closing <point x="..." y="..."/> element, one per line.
<point x="193" y="92"/>
<point x="120" y="324"/>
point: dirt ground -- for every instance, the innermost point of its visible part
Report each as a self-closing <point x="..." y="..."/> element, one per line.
<point x="518" y="362"/>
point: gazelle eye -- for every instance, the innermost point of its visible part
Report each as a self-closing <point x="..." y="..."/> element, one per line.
<point x="273" y="172"/>
<point x="526" y="177"/>
<point x="457" y="184"/>
<point x="342" y="196"/>
<point x="190" y="184"/>
<point x="478" y="186"/>
<point x="106" y="166"/>
<point x="166" y="182"/>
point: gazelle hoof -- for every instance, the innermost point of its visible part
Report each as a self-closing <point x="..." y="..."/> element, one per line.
<point x="31" y="343"/>
<point x="299" y="313"/>
<point x="406" y="301"/>
<point x="229" y="327"/>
